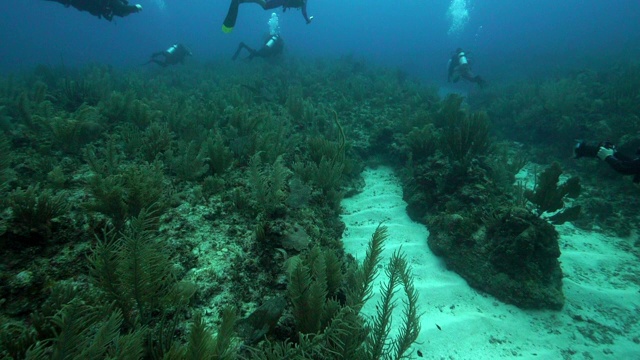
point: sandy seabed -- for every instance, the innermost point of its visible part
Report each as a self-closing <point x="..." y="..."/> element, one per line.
<point x="600" y="319"/>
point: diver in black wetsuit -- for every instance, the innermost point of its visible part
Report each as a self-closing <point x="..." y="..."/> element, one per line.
<point x="272" y="47"/>
<point x="459" y="68"/>
<point x="173" y="55"/>
<point x="608" y="153"/>
<point x="103" y="8"/>
<point x="232" y="13"/>
<point x="621" y="163"/>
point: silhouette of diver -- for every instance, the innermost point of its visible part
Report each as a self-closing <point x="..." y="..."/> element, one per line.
<point x="272" y="47"/>
<point x="232" y="13"/>
<point x="103" y="8"/>
<point x="459" y="67"/>
<point x="173" y="55"/>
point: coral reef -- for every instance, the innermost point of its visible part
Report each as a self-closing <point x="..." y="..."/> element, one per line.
<point x="548" y="196"/>
<point x="33" y="212"/>
<point x="513" y="256"/>
<point x="142" y="212"/>
<point x="480" y="230"/>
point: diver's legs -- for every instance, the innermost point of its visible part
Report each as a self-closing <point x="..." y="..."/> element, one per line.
<point x="480" y="81"/>
<point x="66" y="3"/>
<point x="161" y="63"/>
<point x="122" y="8"/>
<point x="262" y="3"/>
<point x="470" y="77"/>
<point x="241" y="46"/>
<point x="232" y="16"/>
<point x="466" y="74"/>
<point x="252" y="53"/>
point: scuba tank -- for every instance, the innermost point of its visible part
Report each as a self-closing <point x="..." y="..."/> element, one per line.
<point x="462" y="58"/>
<point x="272" y="41"/>
<point x="172" y="49"/>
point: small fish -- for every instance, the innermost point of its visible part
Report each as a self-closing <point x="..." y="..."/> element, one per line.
<point x="438" y="326"/>
<point x="419" y="353"/>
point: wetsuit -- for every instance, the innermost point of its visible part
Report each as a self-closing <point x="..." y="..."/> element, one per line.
<point x="272" y="47"/>
<point x="121" y="8"/>
<point x="173" y="55"/>
<point x="298" y="4"/>
<point x="459" y="68"/>
<point x="102" y="8"/>
<point x="624" y="165"/>
<point x="232" y="13"/>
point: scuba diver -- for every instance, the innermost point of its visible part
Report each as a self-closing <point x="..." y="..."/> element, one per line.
<point x="103" y="8"/>
<point x="272" y="47"/>
<point x="459" y="67"/>
<point x="232" y="13"/>
<point x="608" y="153"/>
<point x="173" y="55"/>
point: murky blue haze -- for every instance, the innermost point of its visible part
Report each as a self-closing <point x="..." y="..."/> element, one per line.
<point x="508" y="38"/>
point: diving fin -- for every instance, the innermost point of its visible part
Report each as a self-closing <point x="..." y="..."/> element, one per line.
<point x="232" y="15"/>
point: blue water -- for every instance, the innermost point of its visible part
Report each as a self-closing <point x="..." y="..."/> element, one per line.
<point x="508" y="38"/>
